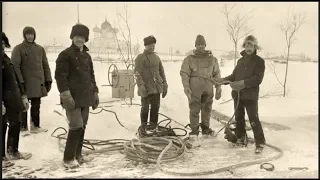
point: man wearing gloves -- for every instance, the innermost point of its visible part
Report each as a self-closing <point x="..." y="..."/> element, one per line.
<point x="246" y="78"/>
<point x="151" y="82"/>
<point x="78" y="91"/>
<point x="14" y="101"/>
<point x="34" y="73"/>
<point x="197" y="72"/>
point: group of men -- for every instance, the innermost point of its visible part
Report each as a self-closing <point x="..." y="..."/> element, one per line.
<point x="27" y="77"/>
<point x="199" y="74"/>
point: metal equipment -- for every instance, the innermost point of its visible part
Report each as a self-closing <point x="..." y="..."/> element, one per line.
<point x="122" y="82"/>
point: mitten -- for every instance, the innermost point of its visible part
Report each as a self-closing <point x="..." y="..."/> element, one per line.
<point x="218" y="93"/>
<point x="67" y="100"/>
<point x="165" y="90"/>
<point x="237" y="85"/>
<point x="96" y="101"/>
<point x="25" y="103"/>
<point x="48" y="85"/>
<point x="142" y="91"/>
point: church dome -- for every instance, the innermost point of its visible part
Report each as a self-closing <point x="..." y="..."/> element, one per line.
<point x="96" y="29"/>
<point x="105" y="25"/>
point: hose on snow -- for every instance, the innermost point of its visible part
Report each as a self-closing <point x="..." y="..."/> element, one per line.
<point x="158" y="147"/>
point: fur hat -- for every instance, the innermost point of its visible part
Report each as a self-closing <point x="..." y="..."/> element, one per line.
<point x="6" y="40"/>
<point x="149" y="40"/>
<point x="251" y="39"/>
<point x="29" y="30"/>
<point x="200" y="40"/>
<point x="80" y="30"/>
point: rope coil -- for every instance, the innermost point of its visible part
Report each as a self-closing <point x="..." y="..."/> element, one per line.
<point x="151" y="148"/>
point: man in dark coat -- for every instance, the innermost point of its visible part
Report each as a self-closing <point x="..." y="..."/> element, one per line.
<point x="78" y="91"/>
<point x="196" y="73"/>
<point x="246" y="78"/>
<point x="14" y="101"/>
<point x="34" y="73"/>
<point x="151" y="82"/>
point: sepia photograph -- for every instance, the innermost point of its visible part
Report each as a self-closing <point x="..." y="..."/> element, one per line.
<point x="160" y="90"/>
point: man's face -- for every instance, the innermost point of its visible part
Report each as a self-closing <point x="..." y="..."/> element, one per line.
<point x="150" y="47"/>
<point x="79" y="41"/>
<point x="249" y="48"/>
<point x="201" y="47"/>
<point x="3" y="45"/>
<point x="30" y="37"/>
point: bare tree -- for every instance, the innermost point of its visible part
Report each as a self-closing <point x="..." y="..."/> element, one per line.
<point x="237" y="26"/>
<point x="127" y="50"/>
<point x="272" y="67"/>
<point x="289" y="27"/>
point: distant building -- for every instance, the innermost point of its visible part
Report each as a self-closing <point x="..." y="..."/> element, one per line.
<point x="297" y="56"/>
<point x="105" y="41"/>
<point x="55" y="48"/>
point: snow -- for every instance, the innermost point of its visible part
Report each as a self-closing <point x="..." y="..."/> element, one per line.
<point x="298" y="111"/>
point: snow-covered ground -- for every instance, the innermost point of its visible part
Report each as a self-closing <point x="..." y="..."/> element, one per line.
<point x="298" y="111"/>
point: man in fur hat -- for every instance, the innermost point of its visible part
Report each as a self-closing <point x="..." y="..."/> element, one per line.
<point x="78" y="91"/>
<point x="13" y="102"/>
<point x="246" y="78"/>
<point x="196" y="71"/>
<point x="34" y="73"/>
<point x="151" y="82"/>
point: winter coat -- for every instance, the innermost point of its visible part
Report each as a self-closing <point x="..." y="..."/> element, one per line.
<point x="199" y="65"/>
<point x="74" y="72"/>
<point x="150" y="73"/>
<point x="32" y="67"/>
<point x="12" y="90"/>
<point x="251" y="70"/>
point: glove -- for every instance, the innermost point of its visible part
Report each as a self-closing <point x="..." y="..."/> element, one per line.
<point x="142" y="91"/>
<point x="3" y="109"/>
<point x="165" y="91"/>
<point x="218" y="93"/>
<point x="96" y="101"/>
<point x="48" y="85"/>
<point x="237" y="85"/>
<point x="67" y="100"/>
<point x="25" y="103"/>
<point x="188" y="92"/>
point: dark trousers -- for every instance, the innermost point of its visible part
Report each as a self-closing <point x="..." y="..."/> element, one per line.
<point x="154" y="101"/>
<point x="78" y="119"/>
<point x="13" y="119"/>
<point x="35" y="113"/>
<point x="251" y="107"/>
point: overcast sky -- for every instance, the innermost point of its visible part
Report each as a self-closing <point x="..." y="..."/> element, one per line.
<point x="174" y="24"/>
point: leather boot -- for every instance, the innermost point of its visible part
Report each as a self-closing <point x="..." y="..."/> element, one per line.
<point x="13" y="144"/>
<point x="155" y="106"/>
<point x="35" y="111"/>
<point x="13" y="138"/>
<point x="79" y="157"/>
<point x="71" y="148"/>
<point x="206" y="131"/>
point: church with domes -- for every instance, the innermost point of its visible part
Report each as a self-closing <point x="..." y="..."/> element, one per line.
<point x="104" y="40"/>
